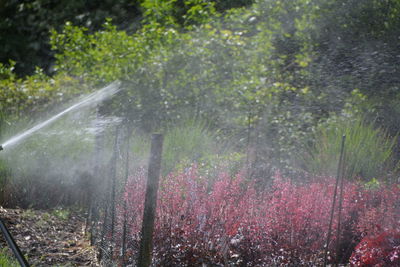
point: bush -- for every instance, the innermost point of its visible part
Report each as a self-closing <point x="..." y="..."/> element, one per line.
<point x="229" y="222"/>
<point x="190" y="140"/>
<point x="369" y="151"/>
<point x="381" y="250"/>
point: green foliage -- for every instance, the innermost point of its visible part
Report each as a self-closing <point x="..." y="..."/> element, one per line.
<point x="105" y="55"/>
<point x="188" y="141"/>
<point x="61" y="213"/>
<point x="6" y="260"/>
<point x="173" y="13"/>
<point x="255" y="71"/>
<point x="25" y="26"/>
<point x="231" y="162"/>
<point x="368" y="150"/>
<point x="372" y="184"/>
<point x="34" y="94"/>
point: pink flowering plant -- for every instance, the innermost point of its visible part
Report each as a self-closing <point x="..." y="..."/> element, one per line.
<point x="226" y="220"/>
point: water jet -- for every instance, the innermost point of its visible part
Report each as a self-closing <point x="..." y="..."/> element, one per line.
<point x="90" y="99"/>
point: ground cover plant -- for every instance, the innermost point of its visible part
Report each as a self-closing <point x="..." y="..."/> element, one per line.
<point x="6" y="259"/>
<point x="230" y="222"/>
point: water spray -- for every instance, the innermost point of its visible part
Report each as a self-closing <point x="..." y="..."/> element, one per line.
<point x="95" y="97"/>
<point x="92" y="98"/>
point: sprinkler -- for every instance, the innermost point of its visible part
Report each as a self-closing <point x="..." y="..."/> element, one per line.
<point x="11" y="242"/>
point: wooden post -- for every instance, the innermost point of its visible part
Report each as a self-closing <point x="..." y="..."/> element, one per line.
<point x="150" y="203"/>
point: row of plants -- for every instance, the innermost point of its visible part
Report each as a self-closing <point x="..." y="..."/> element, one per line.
<point x="224" y="220"/>
<point x="66" y="165"/>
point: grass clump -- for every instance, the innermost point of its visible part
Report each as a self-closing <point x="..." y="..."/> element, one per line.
<point x="61" y="213"/>
<point x="190" y="141"/>
<point x="6" y="260"/>
<point x="368" y="150"/>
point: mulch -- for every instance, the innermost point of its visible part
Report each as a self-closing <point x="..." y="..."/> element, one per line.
<point x="47" y="240"/>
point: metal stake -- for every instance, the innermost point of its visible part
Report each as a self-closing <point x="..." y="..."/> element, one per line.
<point x="328" y="239"/>
<point x="11" y="242"/>
<point x="14" y="247"/>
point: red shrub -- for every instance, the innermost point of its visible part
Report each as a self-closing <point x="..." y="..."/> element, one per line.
<point x="381" y="250"/>
<point x="224" y="220"/>
<point x="380" y="211"/>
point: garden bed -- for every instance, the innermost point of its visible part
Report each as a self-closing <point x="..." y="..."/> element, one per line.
<point x="50" y="238"/>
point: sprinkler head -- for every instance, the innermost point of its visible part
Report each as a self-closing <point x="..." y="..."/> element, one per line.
<point x="1" y="147"/>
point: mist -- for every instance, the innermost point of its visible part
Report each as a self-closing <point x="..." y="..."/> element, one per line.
<point x="253" y="105"/>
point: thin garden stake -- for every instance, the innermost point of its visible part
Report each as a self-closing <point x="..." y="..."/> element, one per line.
<point x="328" y="239"/>
<point x="113" y="185"/>
<point x="93" y="212"/>
<point x="13" y="245"/>
<point x="113" y="180"/>
<point x="248" y="145"/>
<point x="125" y="200"/>
<point x="110" y="206"/>
<point x="150" y="202"/>
<point x="338" y="233"/>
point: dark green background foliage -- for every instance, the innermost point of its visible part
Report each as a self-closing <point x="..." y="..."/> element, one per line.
<point x="25" y="25"/>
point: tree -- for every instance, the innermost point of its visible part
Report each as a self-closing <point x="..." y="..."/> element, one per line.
<point x="25" y="26"/>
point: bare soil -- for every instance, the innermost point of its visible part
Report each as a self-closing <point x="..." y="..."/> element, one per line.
<point x="48" y="239"/>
